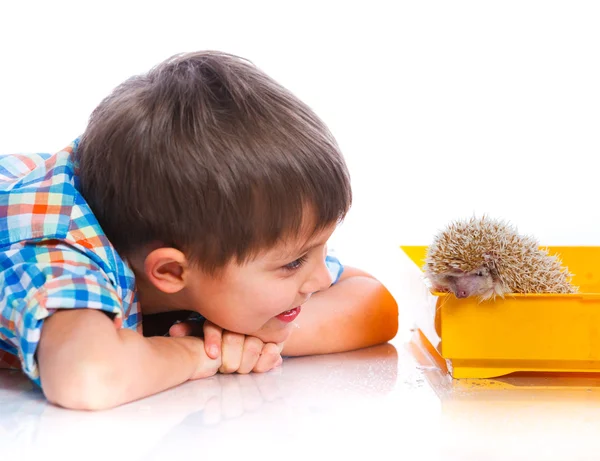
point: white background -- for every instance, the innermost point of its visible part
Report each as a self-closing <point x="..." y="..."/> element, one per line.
<point x="443" y="109"/>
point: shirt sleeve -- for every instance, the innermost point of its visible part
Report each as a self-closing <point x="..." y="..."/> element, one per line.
<point x="36" y="281"/>
<point x="335" y="267"/>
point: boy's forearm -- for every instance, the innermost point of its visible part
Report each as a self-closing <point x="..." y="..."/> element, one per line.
<point x="155" y="364"/>
<point x="86" y="363"/>
<point x="356" y="312"/>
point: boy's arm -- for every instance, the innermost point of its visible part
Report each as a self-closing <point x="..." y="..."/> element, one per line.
<point x="86" y="363"/>
<point x="356" y="312"/>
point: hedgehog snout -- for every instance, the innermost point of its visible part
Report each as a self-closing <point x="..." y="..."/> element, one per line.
<point x="462" y="293"/>
<point x="476" y="283"/>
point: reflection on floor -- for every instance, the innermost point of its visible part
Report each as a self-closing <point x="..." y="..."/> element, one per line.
<point x="389" y="401"/>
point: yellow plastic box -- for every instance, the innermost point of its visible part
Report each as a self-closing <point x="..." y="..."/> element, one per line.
<point x="520" y="333"/>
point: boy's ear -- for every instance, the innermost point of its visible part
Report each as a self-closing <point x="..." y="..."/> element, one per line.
<point x="166" y="269"/>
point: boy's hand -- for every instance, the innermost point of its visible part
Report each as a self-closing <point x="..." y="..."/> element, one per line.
<point x="238" y="353"/>
<point x="207" y="366"/>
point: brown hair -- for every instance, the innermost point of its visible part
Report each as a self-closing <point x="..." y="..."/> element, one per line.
<point x="209" y="155"/>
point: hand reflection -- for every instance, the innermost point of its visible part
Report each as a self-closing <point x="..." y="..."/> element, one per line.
<point x="302" y="392"/>
<point x="220" y="406"/>
<point x="230" y="396"/>
<point x="322" y="379"/>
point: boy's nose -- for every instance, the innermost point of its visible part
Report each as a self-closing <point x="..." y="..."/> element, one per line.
<point x="318" y="280"/>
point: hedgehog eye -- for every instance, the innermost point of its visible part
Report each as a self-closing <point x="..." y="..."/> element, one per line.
<point x="479" y="273"/>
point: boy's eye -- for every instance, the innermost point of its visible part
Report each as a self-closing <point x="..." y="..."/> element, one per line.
<point x="294" y="265"/>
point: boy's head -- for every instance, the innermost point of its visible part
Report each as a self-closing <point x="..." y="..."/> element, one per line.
<point x="207" y="155"/>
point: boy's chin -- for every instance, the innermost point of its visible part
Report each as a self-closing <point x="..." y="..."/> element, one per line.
<point x="272" y="335"/>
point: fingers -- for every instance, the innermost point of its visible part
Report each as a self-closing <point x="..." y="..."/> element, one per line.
<point x="269" y="358"/>
<point x="235" y="352"/>
<point x="206" y="366"/>
<point x="231" y="352"/>
<point x="243" y="354"/>
<point x="188" y="328"/>
<point x="213" y="336"/>
<point x="250" y="355"/>
<point x="180" y="329"/>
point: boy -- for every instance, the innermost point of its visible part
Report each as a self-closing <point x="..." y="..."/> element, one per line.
<point x="202" y="186"/>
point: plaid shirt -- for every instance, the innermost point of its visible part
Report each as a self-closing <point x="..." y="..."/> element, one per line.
<point x="54" y="255"/>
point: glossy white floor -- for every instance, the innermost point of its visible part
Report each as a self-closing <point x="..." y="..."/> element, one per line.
<point x="383" y="402"/>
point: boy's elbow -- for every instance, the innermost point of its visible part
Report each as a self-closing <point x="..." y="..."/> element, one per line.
<point x="385" y="315"/>
<point x="88" y="386"/>
<point x="378" y="318"/>
<point x="379" y="303"/>
<point x="81" y="370"/>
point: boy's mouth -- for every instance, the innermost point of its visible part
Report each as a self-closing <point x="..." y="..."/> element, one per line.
<point x="290" y="315"/>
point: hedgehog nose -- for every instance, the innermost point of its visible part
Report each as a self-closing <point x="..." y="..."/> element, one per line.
<point x="461" y="294"/>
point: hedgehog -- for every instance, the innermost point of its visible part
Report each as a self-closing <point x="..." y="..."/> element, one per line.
<point x="485" y="258"/>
